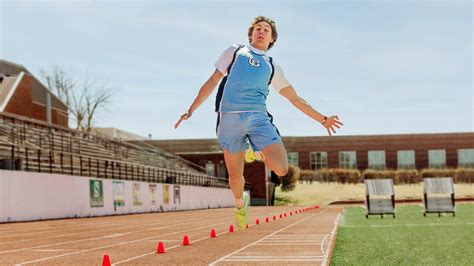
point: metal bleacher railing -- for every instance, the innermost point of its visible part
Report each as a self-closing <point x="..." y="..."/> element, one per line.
<point x="30" y="145"/>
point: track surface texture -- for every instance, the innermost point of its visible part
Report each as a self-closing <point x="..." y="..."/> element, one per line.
<point x="304" y="237"/>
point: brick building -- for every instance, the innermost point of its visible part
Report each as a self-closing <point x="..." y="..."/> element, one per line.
<point x="419" y="151"/>
<point x="358" y="152"/>
<point x="23" y="94"/>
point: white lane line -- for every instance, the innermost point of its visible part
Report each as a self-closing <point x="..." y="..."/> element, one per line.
<point x="123" y="243"/>
<point x="403" y="225"/>
<point x="333" y="233"/>
<point x="301" y="235"/>
<point x="85" y="239"/>
<point x="276" y="257"/>
<point x="286" y="244"/>
<point x="293" y="241"/>
<point x="119" y="244"/>
<point x="151" y="253"/>
<point x="172" y="247"/>
<point x="260" y="240"/>
<point x="167" y="240"/>
<point x="70" y="223"/>
<point x="116" y="235"/>
<point x="276" y="260"/>
<point x="297" y="236"/>
<point x="322" y="243"/>
<point x="59" y="227"/>
<point x="51" y="250"/>
<point x="101" y="237"/>
<point x="290" y="243"/>
<point x="94" y="231"/>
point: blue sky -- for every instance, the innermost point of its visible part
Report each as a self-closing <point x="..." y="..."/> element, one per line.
<point x="385" y="67"/>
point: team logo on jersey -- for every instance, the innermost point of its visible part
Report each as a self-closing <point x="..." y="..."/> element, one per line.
<point x="254" y="62"/>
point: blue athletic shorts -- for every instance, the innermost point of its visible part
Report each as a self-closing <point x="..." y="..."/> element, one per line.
<point x="236" y="130"/>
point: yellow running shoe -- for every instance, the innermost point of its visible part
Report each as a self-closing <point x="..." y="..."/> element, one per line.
<point x="251" y="155"/>
<point x="241" y="213"/>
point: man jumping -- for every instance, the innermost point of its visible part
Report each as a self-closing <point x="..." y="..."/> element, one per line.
<point x="245" y="73"/>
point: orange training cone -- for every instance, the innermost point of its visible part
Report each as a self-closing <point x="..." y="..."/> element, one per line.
<point x="213" y="233"/>
<point x="185" y="240"/>
<point x="247" y="226"/>
<point x="285" y="214"/>
<point x="267" y="220"/>
<point x="257" y="221"/>
<point x="274" y="217"/>
<point x="161" y="248"/>
<point x="231" y="228"/>
<point x="106" y="260"/>
<point x="291" y="213"/>
<point x="281" y="216"/>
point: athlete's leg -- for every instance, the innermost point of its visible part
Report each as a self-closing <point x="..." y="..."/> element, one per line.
<point x="235" y="167"/>
<point x="276" y="158"/>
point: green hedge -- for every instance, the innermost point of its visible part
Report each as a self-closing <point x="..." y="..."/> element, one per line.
<point x="401" y="176"/>
<point x="464" y="175"/>
<point x="408" y="176"/>
<point x="344" y="176"/>
<point x="288" y="182"/>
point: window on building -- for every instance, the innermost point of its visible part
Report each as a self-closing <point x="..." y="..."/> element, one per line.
<point x="293" y="158"/>
<point x="318" y="160"/>
<point x="437" y="158"/>
<point x="466" y="158"/>
<point x="376" y="160"/>
<point x="210" y="169"/>
<point x="406" y="159"/>
<point x="347" y="159"/>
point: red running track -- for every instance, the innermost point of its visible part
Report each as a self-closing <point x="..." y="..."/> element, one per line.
<point x="305" y="236"/>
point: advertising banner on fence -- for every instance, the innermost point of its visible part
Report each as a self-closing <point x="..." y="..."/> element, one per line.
<point x="166" y="194"/>
<point x="96" y="192"/>
<point x="119" y="193"/>
<point x="152" y="193"/>
<point x="137" y="195"/>
<point x="177" y="195"/>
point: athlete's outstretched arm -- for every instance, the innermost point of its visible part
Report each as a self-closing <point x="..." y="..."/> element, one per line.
<point x="331" y="122"/>
<point x="204" y="92"/>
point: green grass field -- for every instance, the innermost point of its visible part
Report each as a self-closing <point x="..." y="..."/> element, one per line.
<point x="409" y="239"/>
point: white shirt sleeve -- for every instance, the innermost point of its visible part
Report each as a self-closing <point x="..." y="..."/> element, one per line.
<point x="225" y="59"/>
<point x="279" y="81"/>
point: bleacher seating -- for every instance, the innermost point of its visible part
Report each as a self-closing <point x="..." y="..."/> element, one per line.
<point x="35" y="146"/>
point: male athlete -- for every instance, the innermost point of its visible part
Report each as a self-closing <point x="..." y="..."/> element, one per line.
<point x="245" y="73"/>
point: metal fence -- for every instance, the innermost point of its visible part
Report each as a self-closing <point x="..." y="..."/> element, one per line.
<point x="47" y="161"/>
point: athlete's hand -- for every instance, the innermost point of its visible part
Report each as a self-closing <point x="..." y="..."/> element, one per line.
<point x="331" y="122"/>
<point x="185" y="116"/>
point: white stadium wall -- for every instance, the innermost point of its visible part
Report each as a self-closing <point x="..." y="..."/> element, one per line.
<point x="26" y="196"/>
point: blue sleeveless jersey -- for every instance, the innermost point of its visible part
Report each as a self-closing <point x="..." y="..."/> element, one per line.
<point x="245" y="87"/>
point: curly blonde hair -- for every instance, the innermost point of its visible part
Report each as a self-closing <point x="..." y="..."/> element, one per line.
<point x="259" y="19"/>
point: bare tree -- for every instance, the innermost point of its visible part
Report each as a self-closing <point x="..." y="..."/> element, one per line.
<point x="83" y="101"/>
<point x="94" y="100"/>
